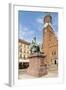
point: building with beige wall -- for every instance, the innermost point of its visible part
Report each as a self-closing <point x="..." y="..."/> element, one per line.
<point x="23" y="52"/>
<point x="23" y="49"/>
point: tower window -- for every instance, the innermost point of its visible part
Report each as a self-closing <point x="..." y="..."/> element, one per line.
<point x="55" y="62"/>
<point x="54" y="53"/>
<point x="51" y="60"/>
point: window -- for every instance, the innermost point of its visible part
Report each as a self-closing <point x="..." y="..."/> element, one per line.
<point x="20" y="55"/>
<point x="25" y="46"/>
<point x="24" y="57"/>
<point x="54" y="53"/>
<point x="51" y="60"/>
<point x="24" y="51"/>
<point x="55" y="62"/>
<point x="20" y="50"/>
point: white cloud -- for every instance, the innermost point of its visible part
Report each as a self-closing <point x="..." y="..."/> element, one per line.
<point x="25" y="33"/>
<point x="39" y="20"/>
<point x="20" y="32"/>
<point x="40" y="23"/>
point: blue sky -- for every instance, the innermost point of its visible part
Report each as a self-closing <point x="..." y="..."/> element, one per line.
<point x="30" y="24"/>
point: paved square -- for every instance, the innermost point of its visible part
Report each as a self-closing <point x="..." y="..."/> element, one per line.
<point x="23" y="75"/>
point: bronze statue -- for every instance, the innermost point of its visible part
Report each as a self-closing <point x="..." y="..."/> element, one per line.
<point x="34" y="47"/>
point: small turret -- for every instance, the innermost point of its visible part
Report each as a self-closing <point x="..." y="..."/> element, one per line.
<point x="47" y="19"/>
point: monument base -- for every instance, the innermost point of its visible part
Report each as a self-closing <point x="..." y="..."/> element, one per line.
<point x="37" y="67"/>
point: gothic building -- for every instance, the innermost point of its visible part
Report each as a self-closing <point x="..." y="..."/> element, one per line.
<point x="50" y="44"/>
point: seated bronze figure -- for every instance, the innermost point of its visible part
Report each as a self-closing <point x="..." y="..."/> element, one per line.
<point x="34" y="47"/>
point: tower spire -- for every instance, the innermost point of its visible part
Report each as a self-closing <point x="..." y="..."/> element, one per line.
<point x="47" y="19"/>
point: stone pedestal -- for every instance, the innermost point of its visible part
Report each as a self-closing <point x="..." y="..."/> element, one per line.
<point x="37" y="67"/>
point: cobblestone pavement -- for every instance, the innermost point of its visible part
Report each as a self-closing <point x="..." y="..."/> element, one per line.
<point x="23" y="75"/>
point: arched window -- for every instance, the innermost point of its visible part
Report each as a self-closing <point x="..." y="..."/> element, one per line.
<point x="24" y="57"/>
<point x="53" y="52"/>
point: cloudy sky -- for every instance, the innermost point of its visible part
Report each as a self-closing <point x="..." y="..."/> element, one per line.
<point x="30" y="24"/>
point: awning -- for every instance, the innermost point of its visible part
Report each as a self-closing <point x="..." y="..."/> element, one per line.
<point x="22" y="60"/>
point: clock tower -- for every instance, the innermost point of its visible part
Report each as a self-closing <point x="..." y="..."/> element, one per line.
<point x="50" y="42"/>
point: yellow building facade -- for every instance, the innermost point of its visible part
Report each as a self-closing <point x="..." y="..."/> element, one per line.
<point x="23" y="54"/>
<point x="23" y="49"/>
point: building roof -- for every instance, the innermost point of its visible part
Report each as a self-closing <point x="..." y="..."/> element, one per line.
<point x="23" y="41"/>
